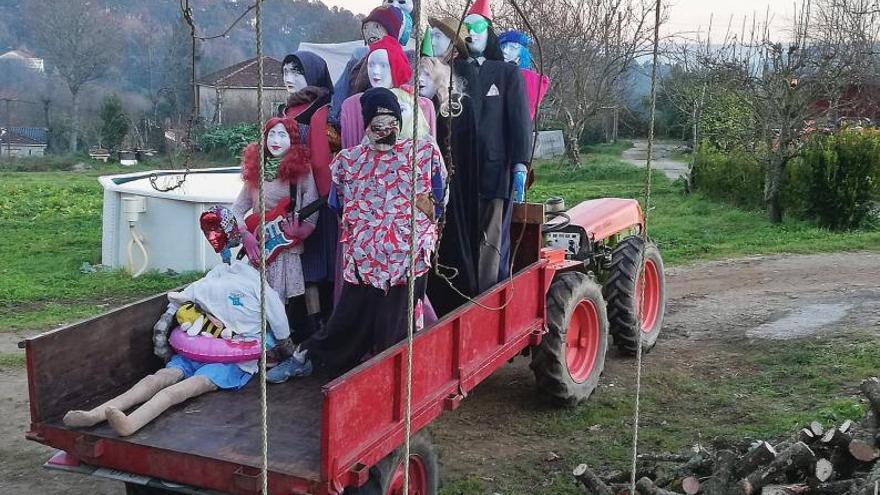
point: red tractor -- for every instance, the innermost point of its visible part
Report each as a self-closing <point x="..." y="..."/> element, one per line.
<point x="579" y="277"/>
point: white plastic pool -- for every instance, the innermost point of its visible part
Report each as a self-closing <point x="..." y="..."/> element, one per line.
<point x="169" y="224"/>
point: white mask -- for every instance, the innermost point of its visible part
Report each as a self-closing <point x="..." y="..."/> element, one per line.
<point x="373" y="32"/>
<point x="512" y="52"/>
<point x="294" y="80"/>
<point x="427" y="88"/>
<point x="379" y="70"/>
<point x="478" y="42"/>
<point x="278" y="140"/>
<point x="440" y="42"/>
<point x="404" y="5"/>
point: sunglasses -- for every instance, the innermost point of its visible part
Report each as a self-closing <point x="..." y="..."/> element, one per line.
<point x="478" y="27"/>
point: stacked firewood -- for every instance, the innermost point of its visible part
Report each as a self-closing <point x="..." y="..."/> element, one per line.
<point x="839" y="460"/>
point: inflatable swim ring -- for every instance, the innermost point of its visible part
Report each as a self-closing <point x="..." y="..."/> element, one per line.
<point x="213" y="350"/>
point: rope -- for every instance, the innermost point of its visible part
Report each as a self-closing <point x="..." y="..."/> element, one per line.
<point x="411" y="279"/>
<point x="264" y="406"/>
<point x="648" y="177"/>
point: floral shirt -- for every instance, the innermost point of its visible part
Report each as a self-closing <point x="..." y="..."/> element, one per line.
<point x="373" y="189"/>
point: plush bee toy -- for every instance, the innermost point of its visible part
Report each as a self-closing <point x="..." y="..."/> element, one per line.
<point x="196" y="321"/>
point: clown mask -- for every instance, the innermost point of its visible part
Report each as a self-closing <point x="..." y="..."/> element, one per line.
<point x="278" y="140"/>
<point x="478" y="31"/>
<point x="373" y="32"/>
<point x="294" y="80"/>
<point x="379" y="70"/>
<point x="383" y="131"/>
<point x="512" y="52"/>
<point x="404" y="5"/>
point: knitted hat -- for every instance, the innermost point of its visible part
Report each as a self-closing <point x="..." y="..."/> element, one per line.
<point x="400" y="69"/>
<point x="390" y="18"/>
<point x="481" y="7"/>
<point x="448" y="26"/>
<point x="525" y="56"/>
<point x="379" y="101"/>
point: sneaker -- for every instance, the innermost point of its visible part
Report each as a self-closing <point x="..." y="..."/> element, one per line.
<point x="290" y="368"/>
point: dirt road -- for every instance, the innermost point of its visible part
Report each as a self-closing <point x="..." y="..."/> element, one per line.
<point x="661" y="162"/>
<point x="712" y="308"/>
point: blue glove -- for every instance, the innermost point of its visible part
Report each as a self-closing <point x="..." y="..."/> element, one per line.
<point x="519" y="185"/>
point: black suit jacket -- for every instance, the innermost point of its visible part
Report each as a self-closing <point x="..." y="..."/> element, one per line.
<point x="503" y="126"/>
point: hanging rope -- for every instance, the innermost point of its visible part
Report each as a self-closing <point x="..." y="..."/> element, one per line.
<point x="411" y="279"/>
<point x="264" y="406"/>
<point x="641" y="286"/>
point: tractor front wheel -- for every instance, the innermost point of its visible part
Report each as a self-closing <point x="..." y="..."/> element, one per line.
<point x="636" y="294"/>
<point x="568" y="362"/>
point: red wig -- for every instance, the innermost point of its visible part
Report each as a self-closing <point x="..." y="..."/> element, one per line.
<point x="294" y="164"/>
<point x="400" y="69"/>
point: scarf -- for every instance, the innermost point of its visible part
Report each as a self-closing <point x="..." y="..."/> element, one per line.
<point x="270" y="168"/>
<point x="307" y="95"/>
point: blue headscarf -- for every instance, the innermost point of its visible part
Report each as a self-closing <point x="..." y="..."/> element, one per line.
<point x="525" y="55"/>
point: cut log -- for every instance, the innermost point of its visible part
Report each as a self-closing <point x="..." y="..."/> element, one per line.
<point x="824" y="470"/>
<point x="798" y="456"/>
<point x="647" y="487"/>
<point x="805" y="435"/>
<point x="837" y="438"/>
<point x="720" y="481"/>
<point x="872" y="482"/>
<point x="871" y="389"/>
<point x="832" y="488"/>
<point x="690" y="485"/>
<point x="817" y="429"/>
<point x="759" y="456"/>
<point x="700" y="464"/>
<point x="591" y="482"/>
<point x="784" y="489"/>
<point x="845" y="426"/>
<point x="864" y="442"/>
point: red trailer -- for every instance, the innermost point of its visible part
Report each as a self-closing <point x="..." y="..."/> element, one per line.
<point x="328" y="437"/>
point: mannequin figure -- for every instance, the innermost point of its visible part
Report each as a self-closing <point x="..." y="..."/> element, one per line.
<point x="446" y="42"/>
<point x="309" y="86"/>
<point x="515" y="47"/>
<point x="503" y="131"/>
<point x="288" y="178"/>
<point x="372" y="190"/>
<point x="460" y="249"/>
<point x="182" y="378"/>
<point x="381" y="22"/>
<point x="387" y="67"/>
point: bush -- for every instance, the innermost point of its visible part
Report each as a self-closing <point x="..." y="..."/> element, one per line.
<point x="734" y="176"/>
<point x="229" y="141"/>
<point x="842" y="173"/>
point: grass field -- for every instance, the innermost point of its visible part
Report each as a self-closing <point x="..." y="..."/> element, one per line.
<point x="51" y="224"/>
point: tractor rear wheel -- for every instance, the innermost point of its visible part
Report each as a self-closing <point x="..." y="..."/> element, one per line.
<point x="386" y="477"/>
<point x="568" y="362"/>
<point x="636" y="294"/>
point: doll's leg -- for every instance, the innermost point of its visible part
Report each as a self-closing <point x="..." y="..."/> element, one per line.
<point x="140" y="392"/>
<point x="191" y="387"/>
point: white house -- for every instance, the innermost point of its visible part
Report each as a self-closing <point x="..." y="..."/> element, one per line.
<point x="24" y="57"/>
<point x="22" y="141"/>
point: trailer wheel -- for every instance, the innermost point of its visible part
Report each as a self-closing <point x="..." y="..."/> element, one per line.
<point x="636" y="294"/>
<point x="386" y="478"/>
<point x="568" y="362"/>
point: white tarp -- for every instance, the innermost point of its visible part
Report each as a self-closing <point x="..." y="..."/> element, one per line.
<point x="336" y="55"/>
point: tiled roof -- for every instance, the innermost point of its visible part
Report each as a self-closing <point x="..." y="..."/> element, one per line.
<point x="246" y="75"/>
<point x="16" y="138"/>
<point x="38" y="134"/>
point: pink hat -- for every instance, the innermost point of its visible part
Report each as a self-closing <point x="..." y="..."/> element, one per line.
<point x="481" y="7"/>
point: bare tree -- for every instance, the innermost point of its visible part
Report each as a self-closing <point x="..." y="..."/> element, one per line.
<point x="790" y="87"/>
<point x="78" y="39"/>
<point x="587" y="48"/>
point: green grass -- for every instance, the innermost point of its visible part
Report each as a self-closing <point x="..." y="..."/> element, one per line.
<point x="754" y="392"/>
<point x="686" y="227"/>
<point x="51" y="224"/>
<point x="610" y="149"/>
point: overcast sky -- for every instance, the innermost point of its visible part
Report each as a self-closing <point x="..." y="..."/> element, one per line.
<point x="684" y="15"/>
